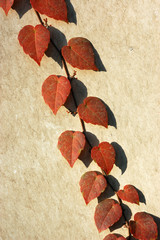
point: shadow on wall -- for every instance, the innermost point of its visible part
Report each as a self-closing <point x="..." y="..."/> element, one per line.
<point x="21" y="7"/>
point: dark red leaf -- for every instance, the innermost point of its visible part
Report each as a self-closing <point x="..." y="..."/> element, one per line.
<point x="129" y="194"/>
<point x="79" y="53"/>
<point x="6" y="5"/>
<point x="107" y="213"/>
<point x="92" y="184"/>
<point x="104" y="155"/>
<point x="92" y="110"/>
<point x="56" y="9"/>
<point x="114" y="237"/>
<point x="143" y="227"/>
<point x="71" y="144"/>
<point x="55" y="91"/>
<point x="34" y="41"/>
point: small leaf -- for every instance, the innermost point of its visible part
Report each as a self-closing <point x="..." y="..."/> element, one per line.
<point x="104" y="155"/>
<point x="6" y="5"/>
<point x="129" y="194"/>
<point x="71" y="144"/>
<point x="34" y="41"/>
<point x="92" y="110"/>
<point x="79" y="53"/>
<point x="55" y="91"/>
<point x="56" y="9"/>
<point x="114" y="237"/>
<point x="107" y="213"/>
<point x="143" y="227"/>
<point x="92" y="184"/>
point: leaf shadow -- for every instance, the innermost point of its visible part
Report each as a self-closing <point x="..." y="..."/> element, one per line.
<point x="157" y="221"/>
<point x="111" y="118"/>
<point x="121" y="159"/>
<point x="60" y="40"/>
<point x="142" y="198"/>
<point x="21" y="7"/>
<point x="98" y="62"/>
<point x="72" y="18"/>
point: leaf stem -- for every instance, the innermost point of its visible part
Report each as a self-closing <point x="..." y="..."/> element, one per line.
<point x="68" y="76"/>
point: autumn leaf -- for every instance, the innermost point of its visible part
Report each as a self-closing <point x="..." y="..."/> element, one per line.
<point x="6" y="5"/>
<point x="92" y="110"/>
<point x="114" y="237"/>
<point x="71" y="144"/>
<point x="129" y="194"/>
<point x="104" y="155"/>
<point x="92" y="184"/>
<point x="79" y="53"/>
<point x="107" y="213"/>
<point x="51" y="8"/>
<point x="34" y="41"/>
<point x="55" y="91"/>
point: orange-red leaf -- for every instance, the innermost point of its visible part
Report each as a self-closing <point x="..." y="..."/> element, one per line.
<point x="92" y="110"/>
<point x="104" y="155"/>
<point x="143" y="227"/>
<point x="71" y="144"/>
<point x="55" y="91"/>
<point x="92" y="184"/>
<point x="6" y="5"/>
<point x="34" y="41"/>
<point x="79" y="53"/>
<point x="56" y="9"/>
<point x="129" y="194"/>
<point x="107" y="213"/>
<point x="114" y="237"/>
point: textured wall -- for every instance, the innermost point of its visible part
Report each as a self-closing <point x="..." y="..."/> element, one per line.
<point x="39" y="193"/>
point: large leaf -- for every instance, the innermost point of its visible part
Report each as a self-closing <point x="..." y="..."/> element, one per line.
<point x="114" y="237"/>
<point x="92" y="184"/>
<point x="71" y="144"/>
<point x="55" y="91"/>
<point x="107" y="213"/>
<point x="104" y="155"/>
<point x="143" y="227"/>
<point x="34" y="41"/>
<point x="56" y="9"/>
<point x="92" y="110"/>
<point x="79" y="53"/>
<point x="6" y="5"/>
<point x="129" y="194"/>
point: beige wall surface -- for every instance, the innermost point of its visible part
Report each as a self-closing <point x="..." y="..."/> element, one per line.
<point x="39" y="193"/>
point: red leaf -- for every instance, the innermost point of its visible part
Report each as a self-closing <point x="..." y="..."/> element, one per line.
<point x="107" y="213"/>
<point x="71" y="144"/>
<point x="114" y="237"/>
<point x="79" y="53"/>
<point x="144" y="227"/>
<point x="92" y="110"/>
<point x="55" y="91"/>
<point x="104" y="155"/>
<point x="129" y="194"/>
<point x="34" y="41"/>
<point x="56" y="9"/>
<point x="6" y="5"/>
<point x="91" y="185"/>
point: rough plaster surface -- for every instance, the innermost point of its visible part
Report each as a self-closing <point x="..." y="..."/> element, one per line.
<point x="39" y="192"/>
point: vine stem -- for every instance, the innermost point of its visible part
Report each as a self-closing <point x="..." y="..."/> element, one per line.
<point x="82" y="122"/>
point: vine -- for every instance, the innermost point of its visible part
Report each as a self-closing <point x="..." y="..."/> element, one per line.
<point x="55" y="90"/>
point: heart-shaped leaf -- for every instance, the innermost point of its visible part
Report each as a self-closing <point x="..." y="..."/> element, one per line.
<point x="114" y="237"/>
<point x="143" y="227"/>
<point x="55" y="91"/>
<point x="104" y="155"/>
<point x="92" y="110"/>
<point x="34" y="41"/>
<point x="107" y="213"/>
<point x="6" y="5"/>
<point x="129" y="194"/>
<point x="92" y="184"/>
<point x="79" y="53"/>
<point x="56" y="9"/>
<point x="71" y="144"/>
